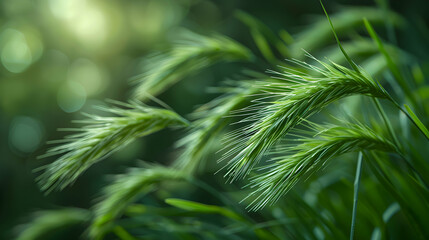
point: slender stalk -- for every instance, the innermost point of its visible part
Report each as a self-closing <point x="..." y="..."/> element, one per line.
<point x="214" y="193"/>
<point x="388" y="124"/>
<point x="356" y="192"/>
<point x="122" y="234"/>
<point x="397" y="144"/>
<point x="416" y="122"/>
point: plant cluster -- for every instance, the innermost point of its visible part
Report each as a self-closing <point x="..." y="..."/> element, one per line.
<point x="272" y="131"/>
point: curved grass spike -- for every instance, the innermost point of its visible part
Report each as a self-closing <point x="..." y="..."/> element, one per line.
<point x="193" y="53"/>
<point x="392" y="67"/>
<point x="101" y="137"/>
<point x="211" y="119"/>
<point x="48" y="221"/>
<point x="311" y="155"/>
<point x="298" y="97"/>
<point x="124" y="190"/>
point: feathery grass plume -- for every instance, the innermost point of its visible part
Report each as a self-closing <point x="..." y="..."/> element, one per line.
<point x="100" y="137"/>
<point x="346" y="20"/>
<point x="309" y="156"/>
<point x="124" y="190"/>
<point x="211" y="119"/>
<point x="188" y="56"/>
<point x="298" y="97"/>
<point x="46" y="222"/>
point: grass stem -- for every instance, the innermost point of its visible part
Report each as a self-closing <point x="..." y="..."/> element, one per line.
<point x="356" y="192"/>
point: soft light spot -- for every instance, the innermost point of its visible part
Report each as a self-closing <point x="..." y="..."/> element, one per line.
<point x="25" y="134"/>
<point x="71" y="96"/>
<point x="15" y="53"/>
<point x="89" y="75"/>
<point x="84" y="19"/>
<point x="66" y="9"/>
<point x="90" y="27"/>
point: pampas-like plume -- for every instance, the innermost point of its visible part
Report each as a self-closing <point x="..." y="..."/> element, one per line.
<point x="188" y="56"/>
<point x="298" y="97"/>
<point x="313" y="153"/>
<point x="211" y="119"/>
<point x="101" y="137"/>
<point x="46" y="222"/>
<point x="126" y="188"/>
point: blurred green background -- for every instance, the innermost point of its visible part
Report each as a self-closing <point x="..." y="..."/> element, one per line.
<point x="60" y="57"/>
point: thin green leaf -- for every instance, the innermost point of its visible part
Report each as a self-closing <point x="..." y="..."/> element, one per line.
<point x="349" y="60"/>
<point x="355" y="194"/>
<point x="390" y="63"/>
<point x="263" y="36"/>
<point x="417" y="121"/>
<point x="203" y="208"/>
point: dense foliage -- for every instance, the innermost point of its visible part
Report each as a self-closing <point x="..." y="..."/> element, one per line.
<point x="327" y="143"/>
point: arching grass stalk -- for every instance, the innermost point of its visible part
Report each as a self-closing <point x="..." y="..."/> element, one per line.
<point x="297" y="161"/>
<point x="297" y="97"/>
<point x="211" y="118"/>
<point x="356" y="193"/>
<point x="128" y="187"/>
<point x="190" y="55"/>
<point x="124" y="190"/>
<point x="414" y="119"/>
<point x="101" y="137"/>
<point x="48" y="221"/>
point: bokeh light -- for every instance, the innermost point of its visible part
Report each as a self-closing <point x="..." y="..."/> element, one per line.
<point x="89" y="75"/>
<point x="71" y="96"/>
<point x="15" y="54"/>
<point x="25" y="134"/>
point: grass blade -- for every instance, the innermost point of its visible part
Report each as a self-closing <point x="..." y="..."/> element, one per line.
<point x="356" y="193"/>
<point x="417" y="121"/>
<point x="349" y="60"/>
<point x="203" y="208"/>
<point x="390" y="63"/>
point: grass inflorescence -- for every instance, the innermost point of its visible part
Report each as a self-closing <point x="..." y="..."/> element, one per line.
<point x="126" y="188"/>
<point x="297" y="97"/>
<point x="298" y="161"/>
<point x="189" y="55"/>
<point x="100" y="137"/>
<point x="271" y="136"/>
